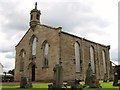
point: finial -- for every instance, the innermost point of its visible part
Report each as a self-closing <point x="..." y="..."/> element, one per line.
<point x="36" y="5"/>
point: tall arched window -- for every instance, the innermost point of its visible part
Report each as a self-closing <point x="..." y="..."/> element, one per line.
<point x="104" y="60"/>
<point x="46" y="47"/>
<point x="34" y="43"/>
<point x="77" y="56"/>
<point x="22" y="58"/>
<point x="92" y="58"/>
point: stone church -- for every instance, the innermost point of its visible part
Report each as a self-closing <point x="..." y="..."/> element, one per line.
<point x="44" y="46"/>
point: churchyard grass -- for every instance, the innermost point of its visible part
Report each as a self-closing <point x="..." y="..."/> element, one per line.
<point x="40" y="86"/>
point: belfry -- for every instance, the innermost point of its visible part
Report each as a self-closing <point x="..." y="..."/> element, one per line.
<point x="35" y="16"/>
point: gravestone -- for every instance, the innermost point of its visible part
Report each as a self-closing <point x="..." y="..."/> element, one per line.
<point x="91" y="79"/>
<point x="25" y="82"/>
<point x="58" y="77"/>
<point x="115" y="82"/>
<point x="111" y="72"/>
<point x="74" y="85"/>
<point x="105" y="77"/>
<point x="89" y="73"/>
<point x="94" y="82"/>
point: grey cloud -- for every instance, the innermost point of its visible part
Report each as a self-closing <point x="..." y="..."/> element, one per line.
<point x="14" y="17"/>
<point x="10" y="55"/>
<point x="70" y="15"/>
<point x="7" y="47"/>
<point x="5" y="50"/>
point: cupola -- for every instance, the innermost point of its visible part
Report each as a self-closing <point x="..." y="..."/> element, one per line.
<point x="35" y="16"/>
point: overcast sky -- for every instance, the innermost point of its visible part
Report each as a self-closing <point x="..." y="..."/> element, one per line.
<point x="95" y="20"/>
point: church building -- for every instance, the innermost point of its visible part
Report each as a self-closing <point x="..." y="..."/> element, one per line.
<point x="43" y="46"/>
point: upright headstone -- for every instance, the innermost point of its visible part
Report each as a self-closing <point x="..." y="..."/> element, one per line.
<point x="58" y="76"/>
<point x="89" y="73"/>
<point x="115" y="82"/>
<point x="91" y="79"/>
<point x="25" y="82"/>
<point x="105" y="77"/>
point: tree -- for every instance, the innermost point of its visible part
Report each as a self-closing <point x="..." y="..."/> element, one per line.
<point x="11" y="72"/>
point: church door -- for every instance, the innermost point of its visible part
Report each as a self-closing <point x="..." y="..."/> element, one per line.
<point x="33" y="73"/>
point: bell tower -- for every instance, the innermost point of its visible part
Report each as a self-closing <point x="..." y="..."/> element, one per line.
<point x="35" y="16"/>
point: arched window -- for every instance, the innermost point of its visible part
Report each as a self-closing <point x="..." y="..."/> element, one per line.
<point x="22" y="58"/>
<point x="77" y="56"/>
<point x="34" y="43"/>
<point x="92" y="58"/>
<point x="46" y="47"/>
<point x="104" y="60"/>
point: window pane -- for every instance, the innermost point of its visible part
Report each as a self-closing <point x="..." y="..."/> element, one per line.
<point x="92" y="57"/>
<point x="104" y="63"/>
<point x="46" y="49"/>
<point x="34" y="46"/>
<point x="22" y="60"/>
<point x="46" y="54"/>
<point x="23" y="54"/>
<point x="77" y="57"/>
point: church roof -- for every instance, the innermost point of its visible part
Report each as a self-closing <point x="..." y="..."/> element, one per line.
<point x="83" y="39"/>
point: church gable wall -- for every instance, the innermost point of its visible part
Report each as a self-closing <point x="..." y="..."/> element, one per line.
<point x="42" y="34"/>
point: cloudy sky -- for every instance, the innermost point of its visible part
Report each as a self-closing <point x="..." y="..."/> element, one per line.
<point x="96" y="20"/>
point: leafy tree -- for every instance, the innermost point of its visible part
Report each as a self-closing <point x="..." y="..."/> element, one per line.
<point x="11" y="72"/>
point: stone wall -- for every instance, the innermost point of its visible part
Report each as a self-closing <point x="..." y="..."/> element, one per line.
<point x="42" y="33"/>
<point x="68" y="56"/>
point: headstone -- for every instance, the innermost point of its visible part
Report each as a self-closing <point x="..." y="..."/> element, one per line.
<point x="94" y="82"/>
<point x="89" y="73"/>
<point x="58" y="77"/>
<point x="91" y="79"/>
<point x="105" y="77"/>
<point x="25" y="82"/>
<point x="111" y="72"/>
<point x="75" y="85"/>
<point x="115" y="82"/>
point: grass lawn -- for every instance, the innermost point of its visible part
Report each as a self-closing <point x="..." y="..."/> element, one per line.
<point x="38" y="86"/>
